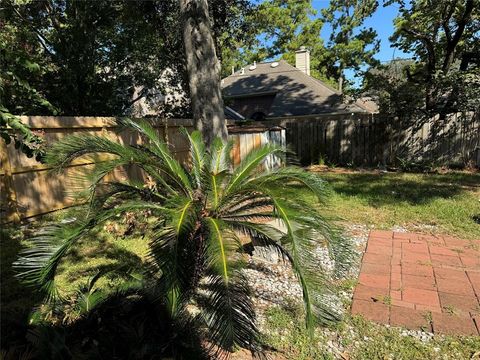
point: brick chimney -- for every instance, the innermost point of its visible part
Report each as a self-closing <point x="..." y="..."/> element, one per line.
<point x="302" y="60"/>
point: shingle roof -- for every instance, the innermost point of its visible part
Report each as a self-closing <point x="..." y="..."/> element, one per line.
<point x="296" y="93"/>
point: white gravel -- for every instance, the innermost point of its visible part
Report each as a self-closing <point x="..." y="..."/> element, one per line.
<point x="274" y="284"/>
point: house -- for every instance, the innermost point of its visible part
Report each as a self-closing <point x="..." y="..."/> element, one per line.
<point x="278" y="90"/>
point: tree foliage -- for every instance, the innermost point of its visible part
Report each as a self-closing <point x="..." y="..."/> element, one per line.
<point x="22" y="68"/>
<point x="439" y="36"/>
<point x="100" y="57"/>
<point x="351" y="45"/>
<point x="280" y="27"/>
<point x="285" y="26"/>
<point x="199" y="216"/>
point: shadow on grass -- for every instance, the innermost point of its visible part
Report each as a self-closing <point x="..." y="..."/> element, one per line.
<point x="130" y="325"/>
<point x="96" y="247"/>
<point x="16" y="300"/>
<point x="387" y="189"/>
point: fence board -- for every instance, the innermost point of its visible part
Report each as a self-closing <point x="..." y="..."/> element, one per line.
<point x="371" y="140"/>
<point x="31" y="188"/>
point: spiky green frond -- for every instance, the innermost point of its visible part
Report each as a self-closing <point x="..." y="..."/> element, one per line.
<point x="288" y="176"/>
<point x="300" y="242"/>
<point x="198" y="213"/>
<point x="228" y="309"/>
<point x="229" y="315"/>
<point x="198" y="154"/>
<point x="249" y="164"/>
<point x="66" y="150"/>
<point x="88" y="296"/>
<point x="39" y="264"/>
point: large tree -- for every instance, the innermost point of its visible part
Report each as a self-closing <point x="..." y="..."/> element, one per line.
<point x="351" y="45"/>
<point x="92" y="55"/>
<point x="438" y="34"/>
<point x="203" y="70"/>
<point x="100" y="57"/>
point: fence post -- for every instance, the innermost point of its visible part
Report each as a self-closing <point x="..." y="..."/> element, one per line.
<point x="10" y="193"/>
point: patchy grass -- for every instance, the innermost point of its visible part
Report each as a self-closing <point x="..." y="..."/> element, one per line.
<point x="446" y="203"/>
<point x="285" y="332"/>
<point x="358" y="339"/>
<point x="103" y="251"/>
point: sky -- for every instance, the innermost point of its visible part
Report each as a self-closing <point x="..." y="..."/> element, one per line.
<point x="382" y="22"/>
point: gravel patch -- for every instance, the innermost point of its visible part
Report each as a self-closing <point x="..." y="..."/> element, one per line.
<point x="274" y="284"/>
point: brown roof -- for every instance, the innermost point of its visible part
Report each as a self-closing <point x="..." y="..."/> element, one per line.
<point x="296" y="93"/>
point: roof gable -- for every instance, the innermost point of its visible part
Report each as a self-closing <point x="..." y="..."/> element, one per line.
<point x="296" y="93"/>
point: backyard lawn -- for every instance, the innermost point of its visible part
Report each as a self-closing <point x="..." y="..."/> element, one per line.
<point x="431" y="203"/>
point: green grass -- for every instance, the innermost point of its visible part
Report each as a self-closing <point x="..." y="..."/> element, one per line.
<point x="103" y="251"/>
<point x="447" y="203"/>
<point x="360" y="339"/>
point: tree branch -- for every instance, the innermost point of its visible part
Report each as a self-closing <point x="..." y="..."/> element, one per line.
<point x="42" y="39"/>
<point x="452" y="44"/>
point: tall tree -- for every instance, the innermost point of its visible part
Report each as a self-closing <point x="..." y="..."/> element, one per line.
<point x="438" y="34"/>
<point x="203" y="70"/>
<point x="351" y="45"/>
<point x="291" y="24"/>
<point x="277" y="29"/>
<point x="102" y="57"/>
<point x="93" y="55"/>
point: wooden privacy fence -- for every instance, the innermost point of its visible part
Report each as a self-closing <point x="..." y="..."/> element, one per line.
<point x="372" y="140"/>
<point x="30" y="189"/>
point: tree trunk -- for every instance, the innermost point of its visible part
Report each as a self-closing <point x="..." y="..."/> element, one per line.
<point x="340" y="83"/>
<point x="203" y="70"/>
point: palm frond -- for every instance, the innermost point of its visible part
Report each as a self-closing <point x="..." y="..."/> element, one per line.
<point x="66" y="150"/>
<point x="248" y="165"/>
<point x="300" y="242"/>
<point x="88" y="296"/>
<point x="38" y="265"/>
<point x="198" y="153"/>
<point x="145" y="128"/>
<point x="160" y="149"/>
<point x="218" y="159"/>
<point x="285" y="176"/>
<point x="229" y="315"/>
<point x="228" y="310"/>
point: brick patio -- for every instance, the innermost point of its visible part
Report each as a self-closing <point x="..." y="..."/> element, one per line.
<point x="420" y="282"/>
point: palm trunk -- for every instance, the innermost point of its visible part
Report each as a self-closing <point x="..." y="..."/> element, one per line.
<point x="203" y="70"/>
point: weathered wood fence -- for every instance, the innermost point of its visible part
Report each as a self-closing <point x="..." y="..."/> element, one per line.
<point x="28" y="188"/>
<point x="372" y="140"/>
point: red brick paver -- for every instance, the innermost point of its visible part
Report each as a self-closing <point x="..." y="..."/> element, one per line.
<point x="420" y="282"/>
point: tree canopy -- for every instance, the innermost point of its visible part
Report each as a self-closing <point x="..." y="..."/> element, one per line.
<point x="99" y="57"/>
<point x="440" y="36"/>
<point x="351" y="45"/>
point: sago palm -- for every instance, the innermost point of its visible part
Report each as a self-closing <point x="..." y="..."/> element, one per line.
<point x="203" y="213"/>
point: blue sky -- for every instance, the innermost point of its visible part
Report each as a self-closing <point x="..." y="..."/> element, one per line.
<point x="382" y="22"/>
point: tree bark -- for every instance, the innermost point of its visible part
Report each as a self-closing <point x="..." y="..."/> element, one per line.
<point x="203" y="70"/>
<point x="452" y="42"/>
<point x="340" y="82"/>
